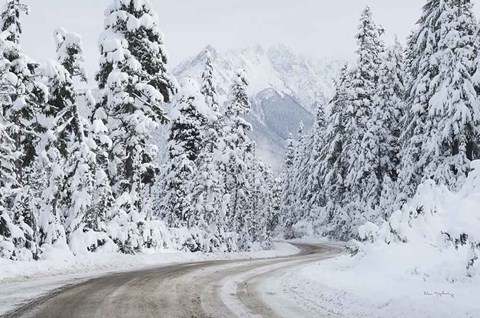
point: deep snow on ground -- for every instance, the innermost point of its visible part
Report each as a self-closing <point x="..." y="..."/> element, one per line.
<point x="423" y="262"/>
<point x="23" y="281"/>
<point x="378" y="286"/>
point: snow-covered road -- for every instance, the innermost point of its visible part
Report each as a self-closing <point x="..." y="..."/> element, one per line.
<point x="201" y="289"/>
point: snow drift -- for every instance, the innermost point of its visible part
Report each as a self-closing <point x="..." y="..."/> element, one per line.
<point x="436" y="235"/>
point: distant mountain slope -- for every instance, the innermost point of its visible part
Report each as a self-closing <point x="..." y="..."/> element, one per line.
<point x="285" y="89"/>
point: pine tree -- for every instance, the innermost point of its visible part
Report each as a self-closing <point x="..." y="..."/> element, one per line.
<point x="239" y="154"/>
<point x="288" y="195"/>
<point x="362" y="151"/>
<point x="103" y="198"/>
<point x="134" y="84"/>
<point x="274" y="226"/>
<point x="70" y="53"/>
<point x="8" y="159"/>
<point x="184" y="147"/>
<point x="333" y="154"/>
<point x="209" y="89"/>
<point x="313" y="194"/>
<point x="208" y="190"/>
<point x="81" y="219"/>
<point x="47" y="171"/>
<point x="11" y="22"/>
<point x="442" y="105"/>
<point x="422" y="45"/>
<point x="261" y="206"/>
<point x="26" y="95"/>
<point x="302" y="170"/>
<point x="388" y="113"/>
<point x="88" y="201"/>
<point x="16" y="237"/>
<point x="22" y="100"/>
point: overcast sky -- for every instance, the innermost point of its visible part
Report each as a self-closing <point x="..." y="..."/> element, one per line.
<point x="322" y="28"/>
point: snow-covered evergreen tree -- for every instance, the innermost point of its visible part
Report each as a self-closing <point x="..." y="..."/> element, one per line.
<point x="209" y="89"/>
<point x="362" y="150"/>
<point x="388" y="113"/>
<point x="103" y="200"/>
<point x="7" y="161"/>
<point x="184" y="147"/>
<point x="70" y="53"/>
<point x="442" y="104"/>
<point x="260" y="210"/>
<point x="86" y="186"/>
<point x="274" y="225"/>
<point x="26" y="96"/>
<point x="16" y="237"/>
<point x="208" y="189"/>
<point x="134" y="84"/>
<point x="333" y="154"/>
<point x="22" y="100"/>
<point x="288" y="195"/>
<point x="313" y="193"/>
<point x="11" y="22"/>
<point x="239" y="160"/>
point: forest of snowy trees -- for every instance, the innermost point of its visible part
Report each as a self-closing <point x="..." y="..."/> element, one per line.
<point x="79" y="167"/>
<point x="400" y="117"/>
<point x="81" y="170"/>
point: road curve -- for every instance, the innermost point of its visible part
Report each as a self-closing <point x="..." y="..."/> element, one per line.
<point x="195" y="290"/>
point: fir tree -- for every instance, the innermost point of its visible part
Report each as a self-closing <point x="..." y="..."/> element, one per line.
<point x="302" y="169"/>
<point x="16" y="237"/>
<point x="288" y="195"/>
<point x="11" y="22"/>
<point x="209" y="89"/>
<point x="260" y="211"/>
<point x="70" y="53"/>
<point x="442" y="105"/>
<point x="208" y="189"/>
<point x="239" y="154"/>
<point x="388" y="113"/>
<point x="333" y="154"/>
<point x="313" y="195"/>
<point x="184" y="147"/>
<point x="22" y="100"/>
<point x="362" y="150"/>
<point x="134" y="84"/>
<point x="88" y="196"/>
<point x="275" y="222"/>
<point x="26" y="95"/>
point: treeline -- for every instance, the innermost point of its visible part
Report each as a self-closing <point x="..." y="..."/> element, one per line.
<point x="79" y="167"/>
<point x="211" y="184"/>
<point x="399" y="117"/>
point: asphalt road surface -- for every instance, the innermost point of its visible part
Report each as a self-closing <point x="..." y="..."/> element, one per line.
<point x="195" y="290"/>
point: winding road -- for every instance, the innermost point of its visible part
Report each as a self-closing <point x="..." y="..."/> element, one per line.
<point x="195" y="290"/>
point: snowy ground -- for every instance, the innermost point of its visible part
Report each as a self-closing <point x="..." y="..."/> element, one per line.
<point x="378" y="285"/>
<point x="382" y="283"/>
<point x="23" y="281"/>
<point x="423" y="262"/>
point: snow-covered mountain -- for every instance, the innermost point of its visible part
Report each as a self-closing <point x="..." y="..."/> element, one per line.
<point x="285" y="89"/>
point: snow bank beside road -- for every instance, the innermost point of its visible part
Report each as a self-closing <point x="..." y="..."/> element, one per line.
<point x="65" y="263"/>
<point x="423" y="262"/>
<point x="437" y="233"/>
<point x="379" y="286"/>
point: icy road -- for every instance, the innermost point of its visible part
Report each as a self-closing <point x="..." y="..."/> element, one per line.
<point x="203" y="289"/>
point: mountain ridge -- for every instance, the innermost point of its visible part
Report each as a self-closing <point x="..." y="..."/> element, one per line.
<point x="285" y="89"/>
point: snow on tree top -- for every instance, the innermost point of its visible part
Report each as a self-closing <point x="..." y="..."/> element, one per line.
<point x="189" y="88"/>
<point x="137" y="5"/>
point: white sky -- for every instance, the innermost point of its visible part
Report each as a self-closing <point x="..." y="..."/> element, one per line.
<point x="321" y="28"/>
